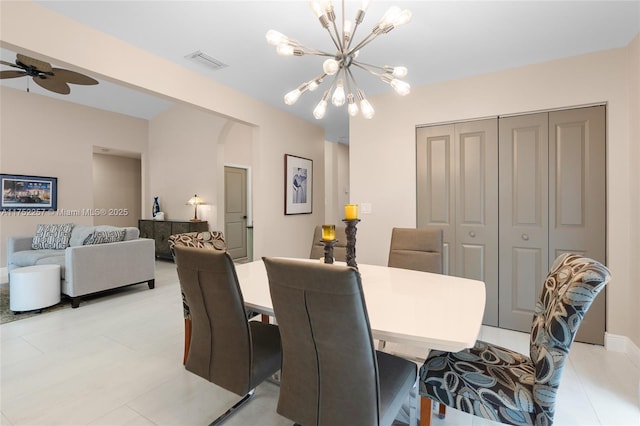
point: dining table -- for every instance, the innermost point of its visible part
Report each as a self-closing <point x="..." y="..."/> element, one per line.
<point x="429" y="310"/>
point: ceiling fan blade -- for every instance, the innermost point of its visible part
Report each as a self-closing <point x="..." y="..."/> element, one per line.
<point x="73" y="77"/>
<point x="9" y="64"/>
<point x="52" y="84"/>
<point x="31" y="62"/>
<point x="12" y="74"/>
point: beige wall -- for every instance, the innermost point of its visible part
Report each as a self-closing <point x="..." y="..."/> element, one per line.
<point x="634" y="160"/>
<point x="336" y="181"/>
<point x="275" y="132"/>
<point x="47" y="137"/>
<point x="117" y="189"/>
<point x="183" y="149"/>
<point x="383" y="173"/>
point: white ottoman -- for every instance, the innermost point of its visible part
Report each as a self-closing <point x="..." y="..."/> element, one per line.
<point x="34" y="287"/>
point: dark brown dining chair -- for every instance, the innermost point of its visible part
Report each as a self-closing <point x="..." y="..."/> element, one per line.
<point x="419" y="249"/>
<point x="226" y="348"/>
<point x="331" y="373"/>
<point x="339" y="250"/>
<point x="210" y="240"/>
<point x="505" y="386"/>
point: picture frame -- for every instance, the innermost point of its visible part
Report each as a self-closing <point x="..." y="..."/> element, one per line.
<point x="298" y="185"/>
<point x="21" y="192"/>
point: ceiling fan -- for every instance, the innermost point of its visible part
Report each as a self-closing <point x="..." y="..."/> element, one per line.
<point x="45" y="76"/>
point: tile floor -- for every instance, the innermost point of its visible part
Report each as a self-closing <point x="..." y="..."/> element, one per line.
<point x="117" y="360"/>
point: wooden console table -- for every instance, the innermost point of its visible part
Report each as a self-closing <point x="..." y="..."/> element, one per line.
<point x="161" y="230"/>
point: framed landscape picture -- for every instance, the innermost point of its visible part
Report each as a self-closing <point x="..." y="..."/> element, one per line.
<point x="298" y="184"/>
<point x="21" y="192"/>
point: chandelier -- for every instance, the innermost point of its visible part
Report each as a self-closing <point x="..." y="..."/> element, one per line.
<point x="340" y="64"/>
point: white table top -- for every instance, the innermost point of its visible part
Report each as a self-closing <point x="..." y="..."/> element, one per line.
<point x="418" y="308"/>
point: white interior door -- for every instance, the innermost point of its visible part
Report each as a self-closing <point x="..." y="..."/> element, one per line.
<point x="235" y="211"/>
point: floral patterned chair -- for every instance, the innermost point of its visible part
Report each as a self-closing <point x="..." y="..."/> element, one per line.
<point x="212" y="240"/>
<point x="508" y="387"/>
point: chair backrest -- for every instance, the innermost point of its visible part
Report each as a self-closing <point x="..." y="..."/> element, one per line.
<point x="207" y="239"/>
<point x="339" y="250"/>
<point x="419" y="249"/>
<point x="571" y="286"/>
<point x="220" y="349"/>
<point x="329" y="367"/>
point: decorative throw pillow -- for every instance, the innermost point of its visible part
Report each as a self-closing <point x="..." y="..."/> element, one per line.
<point x="102" y="237"/>
<point x="52" y="236"/>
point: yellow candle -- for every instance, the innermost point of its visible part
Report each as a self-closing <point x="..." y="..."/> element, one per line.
<point x="328" y="232"/>
<point x="350" y="211"/>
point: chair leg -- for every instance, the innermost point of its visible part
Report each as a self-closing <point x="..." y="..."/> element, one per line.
<point x="265" y="318"/>
<point x="414" y="395"/>
<point x="425" y="411"/>
<point x="442" y="410"/>
<point x="187" y="339"/>
<point x="233" y="409"/>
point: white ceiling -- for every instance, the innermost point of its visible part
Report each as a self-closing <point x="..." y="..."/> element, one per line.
<point x="446" y="40"/>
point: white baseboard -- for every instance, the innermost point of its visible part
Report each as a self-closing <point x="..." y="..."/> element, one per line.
<point x="618" y="343"/>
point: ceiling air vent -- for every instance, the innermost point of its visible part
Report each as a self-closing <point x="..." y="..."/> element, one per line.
<point x="207" y="60"/>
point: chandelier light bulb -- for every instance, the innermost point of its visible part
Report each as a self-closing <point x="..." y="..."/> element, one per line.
<point x="330" y="66"/>
<point x="317" y="8"/>
<point x="403" y="18"/>
<point x="275" y="38"/>
<point x="390" y="16"/>
<point x="292" y="97"/>
<point x="320" y="110"/>
<point x="338" y="97"/>
<point x="398" y="72"/>
<point x="347" y="30"/>
<point x="364" y="5"/>
<point x="284" y="49"/>
<point x="313" y="85"/>
<point x="352" y="107"/>
<point x="402" y="88"/>
<point x="367" y="110"/>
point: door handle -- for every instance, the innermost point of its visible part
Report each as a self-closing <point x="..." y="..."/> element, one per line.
<point x="472" y="234"/>
<point x="525" y="237"/>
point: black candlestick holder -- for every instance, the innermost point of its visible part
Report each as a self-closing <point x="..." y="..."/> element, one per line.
<point x="328" y="250"/>
<point x="350" y="231"/>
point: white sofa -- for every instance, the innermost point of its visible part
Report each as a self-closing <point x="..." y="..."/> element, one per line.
<point x="87" y="268"/>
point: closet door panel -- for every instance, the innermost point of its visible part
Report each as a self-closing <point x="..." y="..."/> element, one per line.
<point x="577" y="198"/>
<point x="476" y="173"/>
<point x="523" y="217"/>
<point x="435" y="192"/>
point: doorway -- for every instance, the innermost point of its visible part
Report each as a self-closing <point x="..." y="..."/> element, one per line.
<point x="236" y="212"/>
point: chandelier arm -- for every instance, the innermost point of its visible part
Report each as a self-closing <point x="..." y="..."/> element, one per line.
<point x="363" y="64"/>
<point x="353" y="34"/>
<point x="368" y="39"/>
<point x="338" y="39"/>
<point x="359" y="65"/>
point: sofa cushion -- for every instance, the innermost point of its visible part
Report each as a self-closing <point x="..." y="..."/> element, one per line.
<point x="54" y="260"/>
<point x="52" y="236"/>
<point x="31" y="257"/>
<point x="131" y="233"/>
<point x="79" y="233"/>
<point x="102" y="237"/>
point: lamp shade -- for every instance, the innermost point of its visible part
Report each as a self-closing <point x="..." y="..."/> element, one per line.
<point x="195" y="200"/>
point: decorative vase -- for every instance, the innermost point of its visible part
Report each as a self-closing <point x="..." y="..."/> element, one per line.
<point x="156" y="206"/>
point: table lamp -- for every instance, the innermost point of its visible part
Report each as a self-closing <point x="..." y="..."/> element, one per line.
<point x="195" y="201"/>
